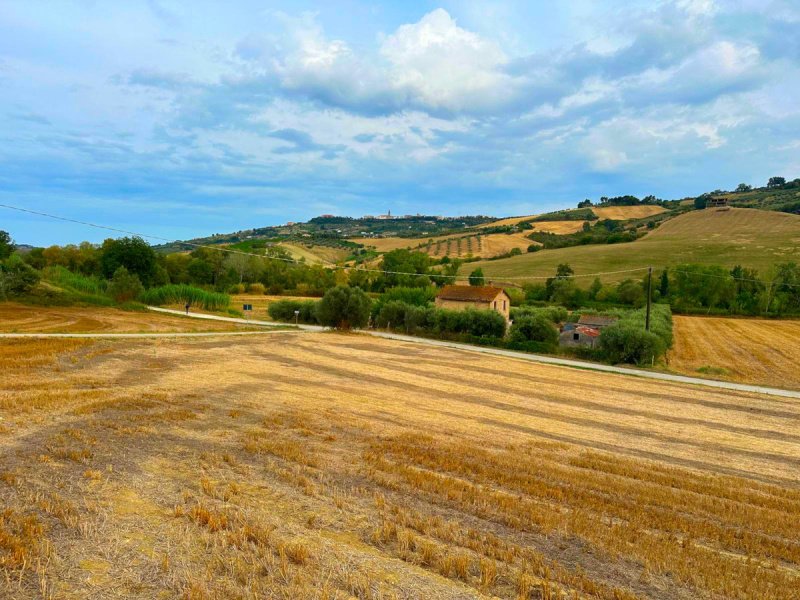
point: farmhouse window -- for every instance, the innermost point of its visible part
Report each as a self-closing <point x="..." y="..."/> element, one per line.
<point x="576" y="336"/>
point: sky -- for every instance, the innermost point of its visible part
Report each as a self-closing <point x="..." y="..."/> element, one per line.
<point x="183" y="119"/>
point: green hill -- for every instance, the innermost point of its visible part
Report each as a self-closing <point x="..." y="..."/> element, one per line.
<point x="752" y="238"/>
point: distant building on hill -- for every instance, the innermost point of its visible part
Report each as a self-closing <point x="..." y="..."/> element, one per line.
<point x="388" y="216"/>
<point x="717" y="202"/>
<point x="482" y="297"/>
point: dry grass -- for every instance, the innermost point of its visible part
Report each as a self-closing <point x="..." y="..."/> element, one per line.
<point x="558" y="227"/>
<point x="744" y="350"/>
<point x="20" y="318"/>
<point x="339" y="466"/>
<point x="623" y="213"/>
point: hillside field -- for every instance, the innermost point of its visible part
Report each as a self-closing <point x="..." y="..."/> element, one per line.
<point x="749" y="237"/>
<point x="338" y="466"/>
<point x="624" y="213"/>
<point x="745" y="350"/>
<point x="315" y="255"/>
<point x="455" y="246"/>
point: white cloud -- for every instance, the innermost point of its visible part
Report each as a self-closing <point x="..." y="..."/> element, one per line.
<point x="446" y="67"/>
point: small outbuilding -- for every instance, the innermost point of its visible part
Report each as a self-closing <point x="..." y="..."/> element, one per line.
<point x="581" y="335"/>
<point x="482" y="297"/>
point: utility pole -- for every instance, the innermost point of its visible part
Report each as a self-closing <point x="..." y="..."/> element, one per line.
<point x="649" y="297"/>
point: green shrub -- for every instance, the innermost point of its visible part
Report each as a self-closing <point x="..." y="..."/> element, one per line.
<point x="124" y="286"/>
<point x="625" y="342"/>
<point x="628" y="341"/>
<point x="344" y="307"/>
<point x="16" y="277"/>
<point x="554" y="314"/>
<point x="535" y="328"/>
<point x="255" y="288"/>
<point x="283" y="310"/>
<point x="181" y="294"/>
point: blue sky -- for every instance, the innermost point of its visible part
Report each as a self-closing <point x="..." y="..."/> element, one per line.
<point x="189" y="118"/>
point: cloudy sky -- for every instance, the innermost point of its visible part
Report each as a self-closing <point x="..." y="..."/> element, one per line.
<point x="188" y="118"/>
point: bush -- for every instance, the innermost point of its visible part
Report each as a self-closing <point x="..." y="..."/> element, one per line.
<point x="236" y="288"/>
<point x="438" y="321"/>
<point x="124" y="286"/>
<point x="554" y="314"/>
<point x="256" y="288"/>
<point x="283" y="310"/>
<point x="344" y="307"/>
<point x="628" y="341"/>
<point x="16" y="277"/>
<point x="535" y="328"/>
<point x="181" y="294"/>
<point x="416" y="296"/>
<point x="625" y="342"/>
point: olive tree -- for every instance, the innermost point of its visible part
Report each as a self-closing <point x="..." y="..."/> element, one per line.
<point x="344" y="307"/>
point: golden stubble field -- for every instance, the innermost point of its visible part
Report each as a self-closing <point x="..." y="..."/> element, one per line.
<point x="745" y="350"/>
<point x="21" y="318"/>
<point x="337" y="466"/>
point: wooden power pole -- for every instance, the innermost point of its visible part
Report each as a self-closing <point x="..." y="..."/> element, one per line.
<point x="649" y="297"/>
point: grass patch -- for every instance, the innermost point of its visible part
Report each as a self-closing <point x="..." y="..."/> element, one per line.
<point x="181" y="293"/>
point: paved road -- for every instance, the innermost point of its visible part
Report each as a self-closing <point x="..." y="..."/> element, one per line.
<point x="550" y="360"/>
<point x="180" y="313"/>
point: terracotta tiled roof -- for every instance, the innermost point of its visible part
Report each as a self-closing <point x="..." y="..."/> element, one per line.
<point x="590" y="331"/>
<point x="469" y="293"/>
<point x="596" y="320"/>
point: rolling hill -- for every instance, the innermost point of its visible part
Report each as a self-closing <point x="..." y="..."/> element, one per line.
<point x="753" y="238"/>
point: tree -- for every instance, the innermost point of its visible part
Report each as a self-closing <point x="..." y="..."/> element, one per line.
<point x="124" y="286"/>
<point x="631" y="292"/>
<point x="6" y="245"/>
<point x="536" y="328"/>
<point x="476" y="277"/>
<point x="564" y="271"/>
<point x="700" y="202"/>
<point x="398" y="263"/>
<point x="344" y="307"/>
<point x="663" y="285"/>
<point x="776" y="182"/>
<point x="743" y="187"/>
<point x="16" y="277"/>
<point x="133" y="253"/>
<point x="585" y="204"/>
<point x="595" y="288"/>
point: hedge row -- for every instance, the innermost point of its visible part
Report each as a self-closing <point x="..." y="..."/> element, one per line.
<point x="410" y="318"/>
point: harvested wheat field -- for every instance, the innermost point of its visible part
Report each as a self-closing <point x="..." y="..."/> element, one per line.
<point x="745" y="350"/>
<point x="325" y="465"/>
<point x="558" y="227"/>
<point x="21" y="318"/>
<point x="623" y="213"/>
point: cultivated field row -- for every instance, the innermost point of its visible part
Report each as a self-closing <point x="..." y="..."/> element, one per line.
<point x="338" y="466"/>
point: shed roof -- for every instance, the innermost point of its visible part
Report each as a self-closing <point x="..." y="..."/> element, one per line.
<point x="470" y="293"/>
<point x="597" y="320"/>
<point x="590" y="331"/>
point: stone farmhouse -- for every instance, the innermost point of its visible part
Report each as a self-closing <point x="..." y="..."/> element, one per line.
<point x="482" y="297"/>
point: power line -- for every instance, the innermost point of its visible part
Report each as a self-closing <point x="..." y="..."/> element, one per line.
<point x="288" y="260"/>
<point x="353" y="268"/>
